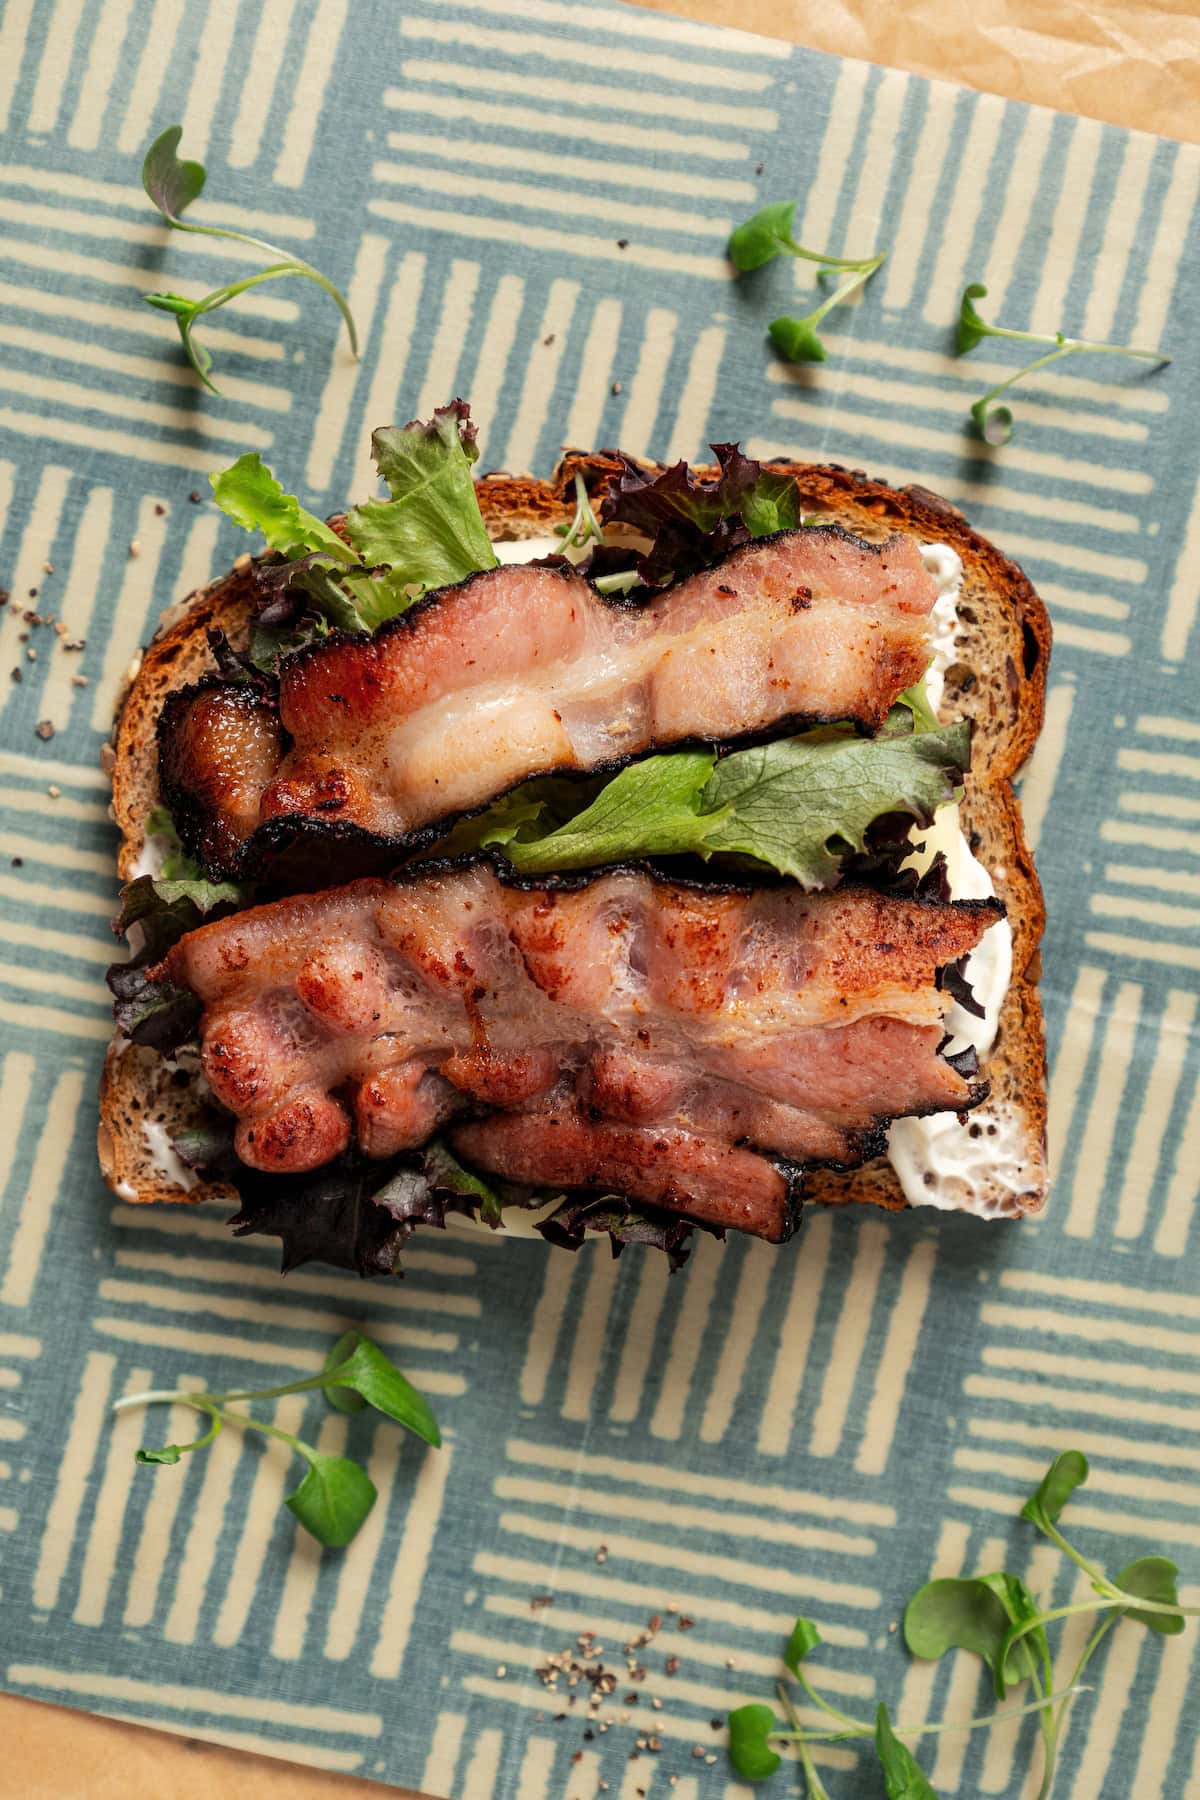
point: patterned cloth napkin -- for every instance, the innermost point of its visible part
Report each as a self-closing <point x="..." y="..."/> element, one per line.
<point x="527" y="201"/>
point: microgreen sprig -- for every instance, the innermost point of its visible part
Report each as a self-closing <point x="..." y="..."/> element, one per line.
<point x="172" y="183"/>
<point x="621" y="583"/>
<point x="753" y="1728"/>
<point x="995" y="423"/>
<point x="585" y="528"/>
<point x="768" y="235"/>
<point x="336" y="1494"/>
<point x="995" y="1617"/>
<point x="796" y="340"/>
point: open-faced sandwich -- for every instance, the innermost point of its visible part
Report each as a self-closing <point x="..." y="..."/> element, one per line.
<point x="630" y="851"/>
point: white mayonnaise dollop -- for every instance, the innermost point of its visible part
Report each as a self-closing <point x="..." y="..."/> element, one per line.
<point x="945" y="565"/>
<point x="527" y="549"/>
<point x="976" y="1167"/>
<point x="164" y="1158"/>
<point x="151" y="857"/>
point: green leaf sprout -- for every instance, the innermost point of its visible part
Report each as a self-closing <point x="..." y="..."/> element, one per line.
<point x="957" y="1614"/>
<point x="992" y="1615"/>
<point x="796" y="340"/>
<point x="172" y="183"/>
<point x="343" y="1399"/>
<point x="995" y="423"/>
<point x="1154" y="1578"/>
<point x="335" y="1495"/>
<point x="333" y="1500"/>
<point x="753" y="1729"/>
<point x="585" y="528"/>
<point x="805" y="1637"/>
<point x="379" y="1382"/>
<point x="903" y="1777"/>
<point x="1144" y="1591"/>
<point x="768" y="235"/>
<point x="1066" y="1473"/>
<point x="749" y="1751"/>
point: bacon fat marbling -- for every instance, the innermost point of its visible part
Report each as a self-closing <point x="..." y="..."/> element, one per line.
<point x="523" y="670"/>
<point x="624" y="1033"/>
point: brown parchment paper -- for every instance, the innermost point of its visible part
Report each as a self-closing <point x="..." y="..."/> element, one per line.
<point x="1128" y="62"/>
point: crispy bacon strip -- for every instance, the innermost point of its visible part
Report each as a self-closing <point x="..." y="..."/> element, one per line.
<point x="622" y="1033"/>
<point x="523" y="670"/>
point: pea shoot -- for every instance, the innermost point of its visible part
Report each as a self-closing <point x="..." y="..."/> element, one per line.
<point x="752" y="1729"/>
<point x="796" y="340"/>
<point x="768" y="235"/>
<point x="995" y="423"/>
<point x="585" y="528"/>
<point x="336" y="1494"/>
<point x="172" y="184"/>
<point x="996" y="1618"/>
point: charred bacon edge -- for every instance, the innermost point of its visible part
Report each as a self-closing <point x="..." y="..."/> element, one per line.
<point x="273" y="838"/>
<point x="279" y="833"/>
<point x="573" y="881"/>
<point x="627" y="603"/>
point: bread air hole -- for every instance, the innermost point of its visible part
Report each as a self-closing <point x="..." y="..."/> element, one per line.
<point x="1032" y="651"/>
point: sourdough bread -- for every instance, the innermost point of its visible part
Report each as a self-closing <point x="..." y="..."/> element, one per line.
<point x="997" y="681"/>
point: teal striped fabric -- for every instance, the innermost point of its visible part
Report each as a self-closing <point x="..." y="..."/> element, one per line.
<point x="528" y="201"/>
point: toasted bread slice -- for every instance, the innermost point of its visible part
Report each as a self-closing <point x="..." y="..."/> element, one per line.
<point x="998" y="683"/>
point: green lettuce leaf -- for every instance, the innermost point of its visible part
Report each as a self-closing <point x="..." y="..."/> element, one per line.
<point x="625" y="1221"/>
<point x="445" y="1173"/>
<point x="541" y="805"/>
<point x="251" y="496"/>
<point x="163" y="907"/>
<point x="799" y="805"/>
<point x="652" y="808"/>
<point x="179" y="877"/>
<point x="771" y="502"/>
<point x="916" y="698"/>
<point x="321" y="577"/>
<point x="431" y="532"/>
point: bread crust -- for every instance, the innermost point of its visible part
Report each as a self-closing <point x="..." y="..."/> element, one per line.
<point x="998" y="681"/>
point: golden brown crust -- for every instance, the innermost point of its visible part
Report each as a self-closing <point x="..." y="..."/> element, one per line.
<point x="999" y="682"/>
<point x="137" y="1088"/>
<point x="177" y="654"/>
